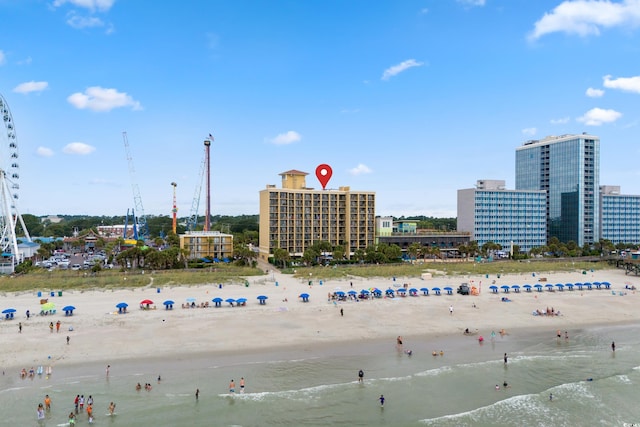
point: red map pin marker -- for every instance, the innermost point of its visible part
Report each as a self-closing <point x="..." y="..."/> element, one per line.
<point x="324" y="172"/>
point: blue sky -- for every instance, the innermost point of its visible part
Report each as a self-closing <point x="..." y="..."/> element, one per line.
<point x="412" y="99"/>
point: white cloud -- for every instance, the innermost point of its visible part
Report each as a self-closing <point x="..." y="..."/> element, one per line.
<point x="529" y="131"/>
<point x="560" y="121"/>
<point x="397" y="69"/>
<point x="97" y="98"/>
<point x="286" y="138"/>
<point x="44" y="152"/>
<point x="3" y="58"/>
<point x="360" y="170"/>
<point x="627" y="84"/>
<point x="78" y="22"/>
<point x="101" y="5"/>
<point x="587" y="17"/>
<point x="26" y="61"/>
<point x="599" y="116"/>
<point x="31" y="86"/>
<point x="78" y="148"/>
<point x="594" y="93"/>
<point x="473" y="2"/>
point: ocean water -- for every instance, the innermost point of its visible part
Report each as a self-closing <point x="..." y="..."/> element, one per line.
<point x="317" y="385"/>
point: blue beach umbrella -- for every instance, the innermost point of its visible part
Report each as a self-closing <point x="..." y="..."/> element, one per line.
<point x="352" y="293"/>
<point x="304" y="295"/>
<point x="168" y="302"/>
<point x="262" y="299"/>
<point x="68" y="308"/>
<point x="560" y="286"/>
<point x="527" y="287"/>
<point x="549" y="286"/>
<point x="365" y="292"/>
<point x="515" y="287"/>
<point x="241" y="301"/>
<point x="505" y="288"/>
<point x="493" y="288"/>
<point x="340" y="293"/>
<point x="448" y="289"/>
<point x="8" y="310"/>
<point x="424" y="291"/>
<point x="538" y="287"/>
<point x="413" y="291"/>
<point x="122" y="305"/>
<point x="402" y="290"/>
<point x="230" y="300"/>
<point x="389" y="292"/>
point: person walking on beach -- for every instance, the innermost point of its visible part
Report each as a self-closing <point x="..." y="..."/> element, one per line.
<point x="81" y="402"/>
<point x="72" y="419"/>
<point x="47" y="402"/>
<point x="40" y="411"/>
<point x="107" y="370"/>
<point x="360" y="376"/>
<point x="197" y="393"/>
<point x="505" y="358"/>
<point x="451" y="310"/>
<point x="76" y="402"/>
<point x="232" y="387"/>
<point x="550" y="397"/>
<point x="20" y="327"/>
<point x="613" y="346"/>
<point x="68" y="339"/>
<point x="58" y="326"/>
<point x="51" y="327"/>
<point x="341" y="311"/>
<point x="381" y="399"/>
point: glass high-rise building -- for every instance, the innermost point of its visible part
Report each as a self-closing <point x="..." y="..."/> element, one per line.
<point x="567" y="167"/>
<point x="619" y="215"/>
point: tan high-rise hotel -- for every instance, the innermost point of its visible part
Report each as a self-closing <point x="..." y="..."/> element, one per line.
<point x="295" y="217"/>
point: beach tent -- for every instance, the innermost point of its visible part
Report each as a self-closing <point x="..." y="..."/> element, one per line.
<point x="68" y="310"/>
<point x="217" y="301"/>
<point x="168" y="304"/>
<point x="47" y="308"/>
<point x="425" y="291"/>
<point x="262" y="299"/>
<point x="305" y="297"/>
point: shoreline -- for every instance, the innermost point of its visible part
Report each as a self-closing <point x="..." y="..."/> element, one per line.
<point x="285" y="325"/>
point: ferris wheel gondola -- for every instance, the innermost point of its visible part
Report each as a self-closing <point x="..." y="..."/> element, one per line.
<point x="9" y="191"/>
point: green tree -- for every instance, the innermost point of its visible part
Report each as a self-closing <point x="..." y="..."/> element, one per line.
<point x="413" y="250"/>
<point x="281" y="257"/>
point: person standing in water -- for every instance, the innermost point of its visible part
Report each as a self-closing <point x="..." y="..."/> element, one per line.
<point x="360" y="376"/>
<point x="381" y="399"/>
<point x="613" y="346"/>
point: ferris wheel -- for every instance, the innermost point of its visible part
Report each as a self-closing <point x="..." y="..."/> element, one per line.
<point x="9" y="190"/>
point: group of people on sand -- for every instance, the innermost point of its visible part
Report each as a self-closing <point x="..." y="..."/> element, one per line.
<point x="548" y="312"/>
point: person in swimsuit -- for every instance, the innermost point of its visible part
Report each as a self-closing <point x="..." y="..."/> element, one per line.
<point x="232" y="387"/>
<point x="242" y="385"/>
<point x="360" y="376"/>
<point x="381" y="399"/>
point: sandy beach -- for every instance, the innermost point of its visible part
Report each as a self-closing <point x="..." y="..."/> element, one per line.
<point x="100" y="334"/>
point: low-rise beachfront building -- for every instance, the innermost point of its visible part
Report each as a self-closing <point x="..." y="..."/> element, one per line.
<point x="491" y="213"/>
<point x="384" y="226"/>
<point x="619" y="215"/>
<point x="295" y="217"/>
<point x="207" y="244"/>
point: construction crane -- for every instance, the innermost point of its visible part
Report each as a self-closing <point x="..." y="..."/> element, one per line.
<point x="174" y="211"/>
<point x="143" y="229"/>
<point x="193" y="215"/>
